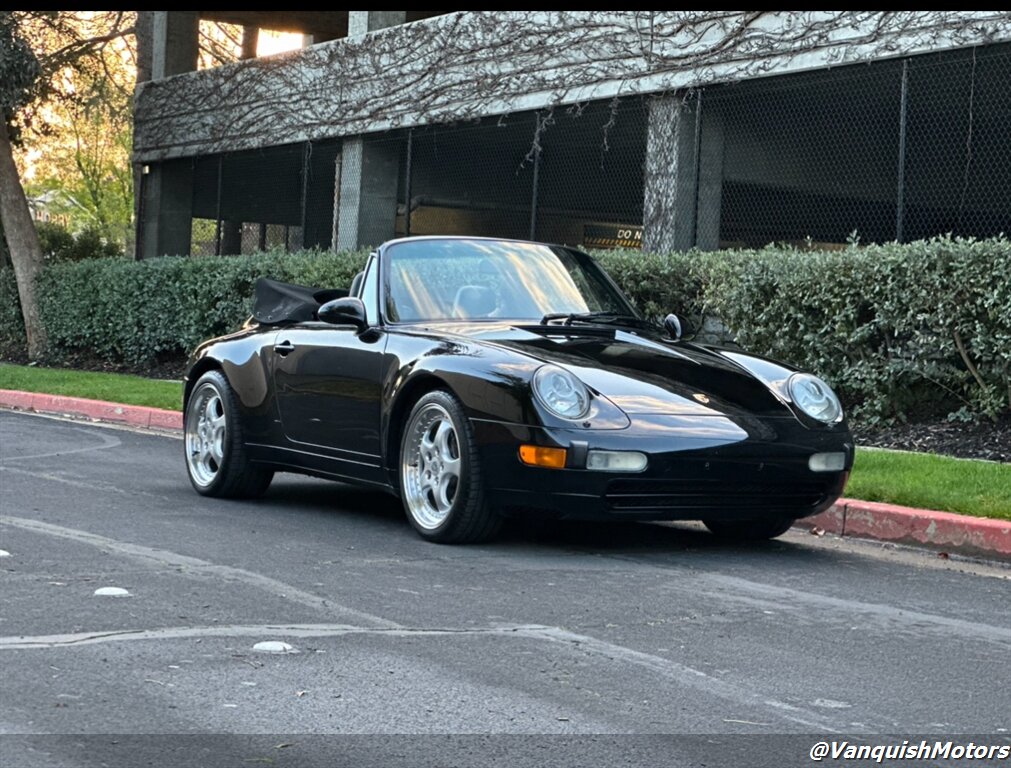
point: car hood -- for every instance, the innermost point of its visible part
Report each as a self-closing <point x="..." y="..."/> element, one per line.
<point x="641" y="371"/>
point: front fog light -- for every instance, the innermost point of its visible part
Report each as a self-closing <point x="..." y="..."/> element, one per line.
<point x="827" y="462"/>
<point x="616" y="461"/>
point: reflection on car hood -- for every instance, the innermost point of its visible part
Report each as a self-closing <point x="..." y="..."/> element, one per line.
<point x="639" y="370"/>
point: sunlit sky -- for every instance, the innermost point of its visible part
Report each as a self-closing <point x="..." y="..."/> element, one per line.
<point x="270" y="42"/>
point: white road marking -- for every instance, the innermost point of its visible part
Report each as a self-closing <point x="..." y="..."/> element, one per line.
<point x="786" y="598"/>
<point x="680" y="674"/>
<point x="108" y="441"/>
<point x="196" y="568"/>
<point x="77" y="483"/>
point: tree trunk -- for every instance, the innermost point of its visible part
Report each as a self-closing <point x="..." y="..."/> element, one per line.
<point x="22" y="243"/>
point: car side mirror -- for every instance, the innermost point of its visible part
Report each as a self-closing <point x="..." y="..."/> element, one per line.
<point x="348" y="310"/>
<point x="678" y="326"/>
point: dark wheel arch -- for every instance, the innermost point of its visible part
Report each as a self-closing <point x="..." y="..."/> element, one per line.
<point x="419" y="386"/>
<point x="199" y="368"/>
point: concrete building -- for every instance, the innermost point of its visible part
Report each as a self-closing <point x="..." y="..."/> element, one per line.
<point x="669" y="129"/>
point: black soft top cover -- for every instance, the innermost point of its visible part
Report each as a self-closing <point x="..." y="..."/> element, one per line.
<point x="276" y="303"/>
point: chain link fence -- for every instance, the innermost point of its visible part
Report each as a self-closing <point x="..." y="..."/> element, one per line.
<point x="280" y="197"/>
<point x="900" y="149"/>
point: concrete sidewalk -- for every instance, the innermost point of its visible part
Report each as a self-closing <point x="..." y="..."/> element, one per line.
<point x="944" y="531"/>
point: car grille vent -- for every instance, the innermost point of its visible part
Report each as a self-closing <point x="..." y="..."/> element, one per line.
<point x="712" y="494"/>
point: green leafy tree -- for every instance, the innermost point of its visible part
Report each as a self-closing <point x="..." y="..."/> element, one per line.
<point x="83" y="149"/>
<point x="20" y="73"/>
<point x="40" y="52"/>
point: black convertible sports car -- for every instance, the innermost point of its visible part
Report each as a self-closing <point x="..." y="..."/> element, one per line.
<point x="476" y="377"/>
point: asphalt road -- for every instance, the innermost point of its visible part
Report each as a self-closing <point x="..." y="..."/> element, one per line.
<point x="601" y="644"/>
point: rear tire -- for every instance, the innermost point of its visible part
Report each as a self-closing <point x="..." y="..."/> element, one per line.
<point x="214" y="443"/>
<point x="749" y="530"/>
<point x="441" y="482"/>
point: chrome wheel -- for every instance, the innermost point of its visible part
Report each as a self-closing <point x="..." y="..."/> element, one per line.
<point x="430" y="465"/>
<point x="205" y="434"/>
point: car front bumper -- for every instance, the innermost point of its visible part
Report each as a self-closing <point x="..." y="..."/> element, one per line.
<point x="698" y="469"/>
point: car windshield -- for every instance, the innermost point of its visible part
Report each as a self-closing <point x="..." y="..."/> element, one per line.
<point x="488" y="279"/>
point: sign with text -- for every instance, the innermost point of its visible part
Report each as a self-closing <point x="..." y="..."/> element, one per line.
<point x="612" y="236"/>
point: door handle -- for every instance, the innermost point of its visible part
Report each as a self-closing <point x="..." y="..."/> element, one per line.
<point x="284" y="348"/>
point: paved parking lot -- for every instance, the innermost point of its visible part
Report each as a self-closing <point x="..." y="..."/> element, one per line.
<point x="606" y="630"/>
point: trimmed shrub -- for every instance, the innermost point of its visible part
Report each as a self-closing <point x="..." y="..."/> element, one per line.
<point x="12" y="327"/>
<point x="137" y="312"/>
<point x="901" y="331"/>
<point x="659" y="284"/>
<point x="55" y="240"/>
<point x="58" y="244"/>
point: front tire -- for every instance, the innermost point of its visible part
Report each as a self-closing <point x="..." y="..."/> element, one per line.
<point x="214" y="444"/>
<point x="749" y="530"/>
<point x="441" y="482"/>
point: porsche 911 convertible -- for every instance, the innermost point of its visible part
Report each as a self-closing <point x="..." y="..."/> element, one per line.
<point x="479" y="378"/>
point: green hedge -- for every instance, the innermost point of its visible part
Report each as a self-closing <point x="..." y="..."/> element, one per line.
<point x="121" y="311"/>
<point x="59" y="244"/>
<point x="12" y="327"/>
<point x="883" y="324"/>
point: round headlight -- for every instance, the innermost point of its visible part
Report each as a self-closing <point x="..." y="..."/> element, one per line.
<point x="561" y="392"/>
<point x="815" y="398"/>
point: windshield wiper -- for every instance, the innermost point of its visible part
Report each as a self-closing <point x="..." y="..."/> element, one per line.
<point x="602" y="318"/>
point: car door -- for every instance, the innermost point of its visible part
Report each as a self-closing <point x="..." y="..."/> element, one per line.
<point x="327" y="384"/>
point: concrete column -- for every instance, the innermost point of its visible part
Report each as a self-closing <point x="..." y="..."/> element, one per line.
<point x="361" y="23"/>
<point x="165" y="228"/>
<point x="250" y="39"/>
<point x="670" y="175"/>
<point x="166" y="221"/>
<point x="175" y="38"/>
<point x="367" y="209"/>
<point x="710" y="189"/>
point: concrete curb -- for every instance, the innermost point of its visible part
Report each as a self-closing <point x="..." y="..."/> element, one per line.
<point x="99" y="410"/>
<point x="944" y="531"/>
<point x="848" y="517"/>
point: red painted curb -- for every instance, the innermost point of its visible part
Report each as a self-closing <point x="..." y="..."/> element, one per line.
<point x="14" y="399"/>
<point x="100" y="410"/>
<point x="832" y="519"/>
<point x="945" y="530"/>
<point x="939" y="530"/>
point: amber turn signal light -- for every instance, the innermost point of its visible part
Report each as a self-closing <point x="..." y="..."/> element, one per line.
<point x="539" y="456"/>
